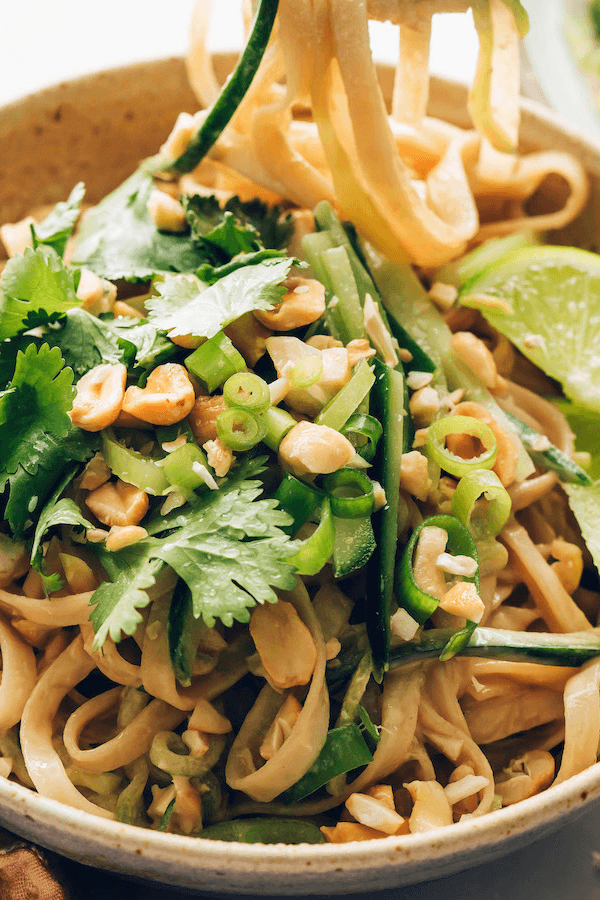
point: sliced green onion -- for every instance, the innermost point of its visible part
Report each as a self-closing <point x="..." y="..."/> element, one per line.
<point x="178" y="467"/>
<point x="130" y="466"/>
<point x="277" y="423"/>
<point x="299" y="500"/>
<point x="482" y="503"/>
<point x="245" y="390"/>
<point x="240" y="429"/>
<point x="455" y="465"/>
<point x="315" y="551"/>
<point x="214" y="361"/>
<point x="307" y="371"/>
<point x="350" y="493"/>
<point x="363" y="432"/>
<point x="339" y="409"/>
<point x="344" y="749"/>
<point x="419" y="603"/>
<point x="458" y="641"/>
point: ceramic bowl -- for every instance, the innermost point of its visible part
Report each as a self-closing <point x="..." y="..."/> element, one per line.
<point x="96" y="129"/>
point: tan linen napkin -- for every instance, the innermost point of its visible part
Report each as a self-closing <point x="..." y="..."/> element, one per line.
<point x="27" y="873"/>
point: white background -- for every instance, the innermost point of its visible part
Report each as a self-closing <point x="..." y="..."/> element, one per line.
<point x="46" y="41"/>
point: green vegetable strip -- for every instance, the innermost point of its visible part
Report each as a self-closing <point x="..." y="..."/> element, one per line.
<point x="482" y="503"/>
<point x="387" y="401"/>
<point x="552" y="458"/>
<point x="344" y="749"/>
<point x="436" y="449"/>
<point x="299" y="500"/>
<point x="339" y="409"/>
<point x="519" y="646"/>
<point x="417" y="602"/>
<point x="215" y="361"/>
<point x="264" y="831"/>
<point x="314" y="552"/>
<point x="314" y="245"/>
<point x="178" y="467"/>
<point x="363" y="432"/>
<point x="132" y="467"/>
<point x="277" y="422"/>
<point x="354" y="545"/>
<point x="345" y="307"/>
<point x="233" y="91"/>
<point x="350" y="493"/>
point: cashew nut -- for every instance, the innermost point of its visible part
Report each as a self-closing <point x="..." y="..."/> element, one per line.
<point x="203" y="416"/>
<point x="526" y="776"/>
<point x="99" y="397"/>
<point x="302" y="304"/>
<point x="167" y="213"/>
<point x="118" y="503"/>
<point x="374" y="813"/>
<point x="475" y="355"/>
<point x="310" y="449"/>
<point x="167" y="398"/>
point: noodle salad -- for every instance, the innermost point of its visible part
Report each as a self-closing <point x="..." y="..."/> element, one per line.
<point x="296" y="544"/>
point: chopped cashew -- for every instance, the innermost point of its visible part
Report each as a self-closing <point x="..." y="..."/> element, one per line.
<point x="302" y="304"/>
<point x="424" y="406"/>
<point x="378" y="333"/>
<point x="431" y="807"/>
<point x="97" y="294"/>
<point x="281" y="727"/>
<point x="207" y="719"/>
<point x="166" y="212"/>
<point x="414" y="474"/>
<point x="177" y="141"/>
<point x="249" y="336"/>
<point x="285" y="645"/>
<point x="344" y="832"/>
<point x="429" y="577"/>
<point x="99" y="397"/>
<point x="310" y="449"/>
<point x="188" y="805"/>
<point x="359" y="348"/>
<point x="462" y="599"/>
<point x="118" y="503"/>
<point x="443" y="295"/>
<point x="121" y="536"/>
<point x="95" y="473"/>
<point x="368" y="810"/>
<point x="526" y="776"/>
<point x="203" y="416"/>
<point x="476" y="356"/>
<point x="219" y="457"/>
<point x="16" y="236"/>
<point x="167" y="398"/>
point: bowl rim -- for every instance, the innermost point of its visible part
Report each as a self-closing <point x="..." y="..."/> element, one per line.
<point x="180" y="859"/>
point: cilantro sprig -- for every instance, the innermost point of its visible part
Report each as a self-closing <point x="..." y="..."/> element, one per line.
<point x="230" y="550"/>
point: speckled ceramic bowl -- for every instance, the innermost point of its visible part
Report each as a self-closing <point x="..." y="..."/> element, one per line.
<point x="96" y="129"/>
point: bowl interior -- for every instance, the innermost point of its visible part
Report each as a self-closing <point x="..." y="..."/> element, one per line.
<point x="96" y="129"/>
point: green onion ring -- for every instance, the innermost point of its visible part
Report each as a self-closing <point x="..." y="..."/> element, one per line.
<point x="481" y="483"/>
<point x="347" y="505"/>
<point x="240" y="429"/>
<point x="313" y="553"/>
<point x="417" y="602"/>
<point x="307" y="371"/>
<point x="455" y="465"/>
<point x="245" y="390"/>
<point x="363" y="432"/>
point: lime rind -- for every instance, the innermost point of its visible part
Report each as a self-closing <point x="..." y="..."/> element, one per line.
<point x="551" y="313"/>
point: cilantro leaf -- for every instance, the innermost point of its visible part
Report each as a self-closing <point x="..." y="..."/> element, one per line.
<point x="36" y="288"/>
<point x="230" y="550"/>
<point x="219" y="228"/>
<point x="37" y="440"/>
<point x="133" y="572"/>
<point x="56" y="512"/>
<point x="141" y="343"/>
<point x="84" y="341"/>
<point x="275" y="228"/>
<point x="118" y="238"/>
<point x="186" y="306"/>
<point x="57" y="228"/>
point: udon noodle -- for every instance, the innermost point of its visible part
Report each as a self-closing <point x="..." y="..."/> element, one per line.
<point x="192" y="730"/>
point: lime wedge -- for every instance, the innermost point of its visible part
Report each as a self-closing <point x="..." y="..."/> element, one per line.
<point x="550" y="310"/>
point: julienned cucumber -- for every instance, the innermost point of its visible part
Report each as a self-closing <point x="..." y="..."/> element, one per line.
<point x="387" y="405"/>
<point x="264" y="831"/>
<point x="551" y="457"/>
<point x="233" y="91"/>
